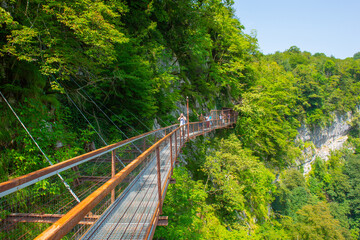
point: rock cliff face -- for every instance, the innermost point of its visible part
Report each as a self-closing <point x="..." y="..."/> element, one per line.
<point x="325" y="139"/>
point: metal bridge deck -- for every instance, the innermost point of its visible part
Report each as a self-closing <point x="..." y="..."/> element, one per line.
<point x="135" y="213"/>
<point x="129" y="217"/>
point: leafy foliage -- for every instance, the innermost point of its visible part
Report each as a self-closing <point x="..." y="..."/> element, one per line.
<point x="315" y="222"/>
<point x="267" y="122"/>
<point x="239" y="182"/>
<point x="291" y="193"/>
<point x="138" y="59"/>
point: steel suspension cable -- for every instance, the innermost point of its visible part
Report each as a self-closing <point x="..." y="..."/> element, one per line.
<point x="109" y="109"/>
<point x="114" y="113"/>
<point x="106" y="116"/>
<point x="125" y="121"/>
<point x="119" y="118"/>
<point x="129" y="124"/>
<point x="123" y="107"/>
<point x="162" y="121"/>
<point x="138" y="120"/>
<point x="42" y="152"/>
<point x="102" y="139"/>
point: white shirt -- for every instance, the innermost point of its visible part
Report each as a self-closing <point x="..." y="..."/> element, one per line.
<point x="182" y="121"/>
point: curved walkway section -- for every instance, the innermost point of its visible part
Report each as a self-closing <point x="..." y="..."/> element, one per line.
<point x="122" y="205"/>
<point x="135" y="213"/>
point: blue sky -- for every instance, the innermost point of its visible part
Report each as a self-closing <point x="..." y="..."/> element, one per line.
<point x="331" y="27"/>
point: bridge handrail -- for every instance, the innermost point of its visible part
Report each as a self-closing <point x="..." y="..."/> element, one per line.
<point x="15" y="184"/>
<point x="70" y="219"/>
<point x="175" y="136"/>
<point x="76" y="214"/>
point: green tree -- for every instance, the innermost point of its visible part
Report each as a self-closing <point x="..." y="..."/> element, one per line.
<point x="315" y="222"/>
<point x="267" y="121"/>
<point x="190" y="217"/>
<point x="329" y="68"/>
<point x="356" y="56"/>
<point x="291" y="193"/>
<point x="63" y="37"/>
<point x="352" y="169"/>
<point x="238" y="183"/>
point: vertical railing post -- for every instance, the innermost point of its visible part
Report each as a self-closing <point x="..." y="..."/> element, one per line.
<point x="202" y="126"/>
<point x="113" y="170"/>
<point x="183" y="140"/>
<point x="188" y="120"/>
<point x="216" y="116"/>
<point x="159" y="178"/>
<point x="176" y="152"/>
<point x="144" y="144"/>
<point x="180" y="138"/>
<point x="171" y="155"/>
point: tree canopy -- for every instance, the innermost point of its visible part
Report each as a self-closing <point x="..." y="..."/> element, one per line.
<point x="139" y="60"/>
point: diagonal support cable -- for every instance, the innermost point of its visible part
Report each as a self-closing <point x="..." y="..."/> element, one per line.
<point x="102" y="139"/>
<point x="119" y="118"/>
<point x="165" y="124"/>
<point x="106" y="116"/>
<point x="23" y="125"/>
<point x="122" y="106"/>
<point x="138" y="120"/>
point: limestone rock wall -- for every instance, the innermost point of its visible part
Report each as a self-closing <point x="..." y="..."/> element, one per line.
<point x="325" y="139"/>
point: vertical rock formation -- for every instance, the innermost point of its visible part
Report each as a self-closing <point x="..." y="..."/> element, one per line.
<point x="325" y="139"/>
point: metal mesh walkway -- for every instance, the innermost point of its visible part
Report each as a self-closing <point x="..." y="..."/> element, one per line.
<point x="116" y="202"/>
<point x="130" y="216"/>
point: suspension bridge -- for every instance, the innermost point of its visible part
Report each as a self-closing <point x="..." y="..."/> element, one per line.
<point x="115" y="192"/>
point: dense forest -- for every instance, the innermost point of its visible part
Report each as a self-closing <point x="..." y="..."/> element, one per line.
<point x="139" y="60"/>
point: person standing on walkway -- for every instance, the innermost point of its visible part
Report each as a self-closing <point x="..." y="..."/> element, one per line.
<point x="182" y="120"/>
<point x="201" y="119"/>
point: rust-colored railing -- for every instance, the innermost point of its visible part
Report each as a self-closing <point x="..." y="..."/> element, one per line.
<point x="163" y="153"/>
<point x="24" y="181"/>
